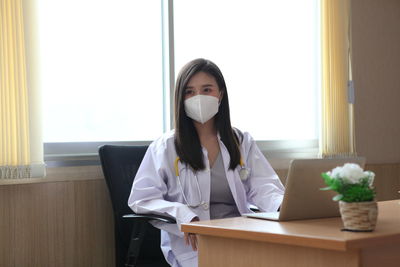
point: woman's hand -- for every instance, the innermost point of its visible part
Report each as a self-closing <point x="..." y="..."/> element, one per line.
<point x="190" y="238"/>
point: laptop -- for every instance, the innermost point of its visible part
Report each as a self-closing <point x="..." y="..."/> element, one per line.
<point x="303" y="198"/>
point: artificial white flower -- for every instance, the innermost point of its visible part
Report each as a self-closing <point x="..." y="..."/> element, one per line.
<point x="350" y="176"/>
<point x="352" y="172"/>
<point x="336" y="172"/>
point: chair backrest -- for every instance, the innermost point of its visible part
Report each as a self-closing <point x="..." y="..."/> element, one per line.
<point x="120" y="164"/>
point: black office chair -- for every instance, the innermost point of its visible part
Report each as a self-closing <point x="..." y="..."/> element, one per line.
<point x="137" y="242"/>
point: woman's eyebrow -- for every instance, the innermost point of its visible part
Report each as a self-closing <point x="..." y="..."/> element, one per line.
<point x="208" y="85"/>
<point x="204" y="85"/>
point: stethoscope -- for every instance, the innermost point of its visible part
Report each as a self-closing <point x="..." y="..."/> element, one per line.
<point x="244" y="173"/>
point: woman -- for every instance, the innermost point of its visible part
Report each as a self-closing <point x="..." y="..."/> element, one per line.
<point x="204" y="169"/>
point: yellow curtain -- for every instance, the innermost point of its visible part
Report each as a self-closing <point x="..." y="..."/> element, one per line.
<point x="337" y="113"/>
<point x="14" y="109"/>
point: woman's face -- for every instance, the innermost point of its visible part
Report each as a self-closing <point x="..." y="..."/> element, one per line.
<point x="202" y="84"/>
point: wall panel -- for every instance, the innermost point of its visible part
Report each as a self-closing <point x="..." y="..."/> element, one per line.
<point x="56" y="224"/>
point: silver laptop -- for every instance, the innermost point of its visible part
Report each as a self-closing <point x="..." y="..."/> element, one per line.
<point x="303" y="198"/>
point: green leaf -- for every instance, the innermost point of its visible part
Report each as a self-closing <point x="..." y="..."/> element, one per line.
<point x="326" y="188"/>
<point x="338" y="197"/>
<point x="326" y="177"/>
<point x="349" y="192"/>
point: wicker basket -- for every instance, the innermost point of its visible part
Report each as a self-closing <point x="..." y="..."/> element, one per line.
<point x="359" y="216"/>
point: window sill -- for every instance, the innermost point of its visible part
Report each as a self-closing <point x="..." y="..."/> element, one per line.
<point x="62" y="174"/>
<point x="87" y="167"/>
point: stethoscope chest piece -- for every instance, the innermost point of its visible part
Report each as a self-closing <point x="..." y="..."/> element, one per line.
<point x="244" y="173"/>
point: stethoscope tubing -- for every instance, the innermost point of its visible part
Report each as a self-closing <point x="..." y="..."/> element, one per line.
<point x="244" y="174"/>
<point x="177" y="172"/>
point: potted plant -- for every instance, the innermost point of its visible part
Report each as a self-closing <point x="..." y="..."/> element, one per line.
<point x="356" y="196"/>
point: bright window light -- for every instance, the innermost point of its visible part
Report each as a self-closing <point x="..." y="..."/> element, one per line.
<point x="268" y="52"/>
<point x="101" y="70"/>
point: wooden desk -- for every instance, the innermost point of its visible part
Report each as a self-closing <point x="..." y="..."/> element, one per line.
<point x="253" y="242"/>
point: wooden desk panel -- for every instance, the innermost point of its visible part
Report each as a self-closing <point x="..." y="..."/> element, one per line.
<point x="253" y="242"/>
<point x="215" y="252"/>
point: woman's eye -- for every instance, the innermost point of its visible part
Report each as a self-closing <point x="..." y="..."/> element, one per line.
<point x="188" y="92"/>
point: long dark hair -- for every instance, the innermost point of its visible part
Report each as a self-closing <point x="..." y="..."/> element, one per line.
<point x="187" y="142"/>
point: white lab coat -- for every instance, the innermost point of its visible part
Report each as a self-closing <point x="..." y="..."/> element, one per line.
<point x="155" y="190"/>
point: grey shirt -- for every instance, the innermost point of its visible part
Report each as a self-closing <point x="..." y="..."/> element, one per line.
<point x="222" y="204"/>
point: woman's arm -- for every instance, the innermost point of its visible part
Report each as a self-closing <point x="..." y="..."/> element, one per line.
<point x="149" y="189"/>
<point x="263" y="187"/>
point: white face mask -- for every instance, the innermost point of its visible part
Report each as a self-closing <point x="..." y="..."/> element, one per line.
<point x="201" y="108"/>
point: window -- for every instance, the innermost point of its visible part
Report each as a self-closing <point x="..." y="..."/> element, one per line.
<point x="268" y="53"/>
<point x="104" y="67"/>
<point x="101" y="70"/>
